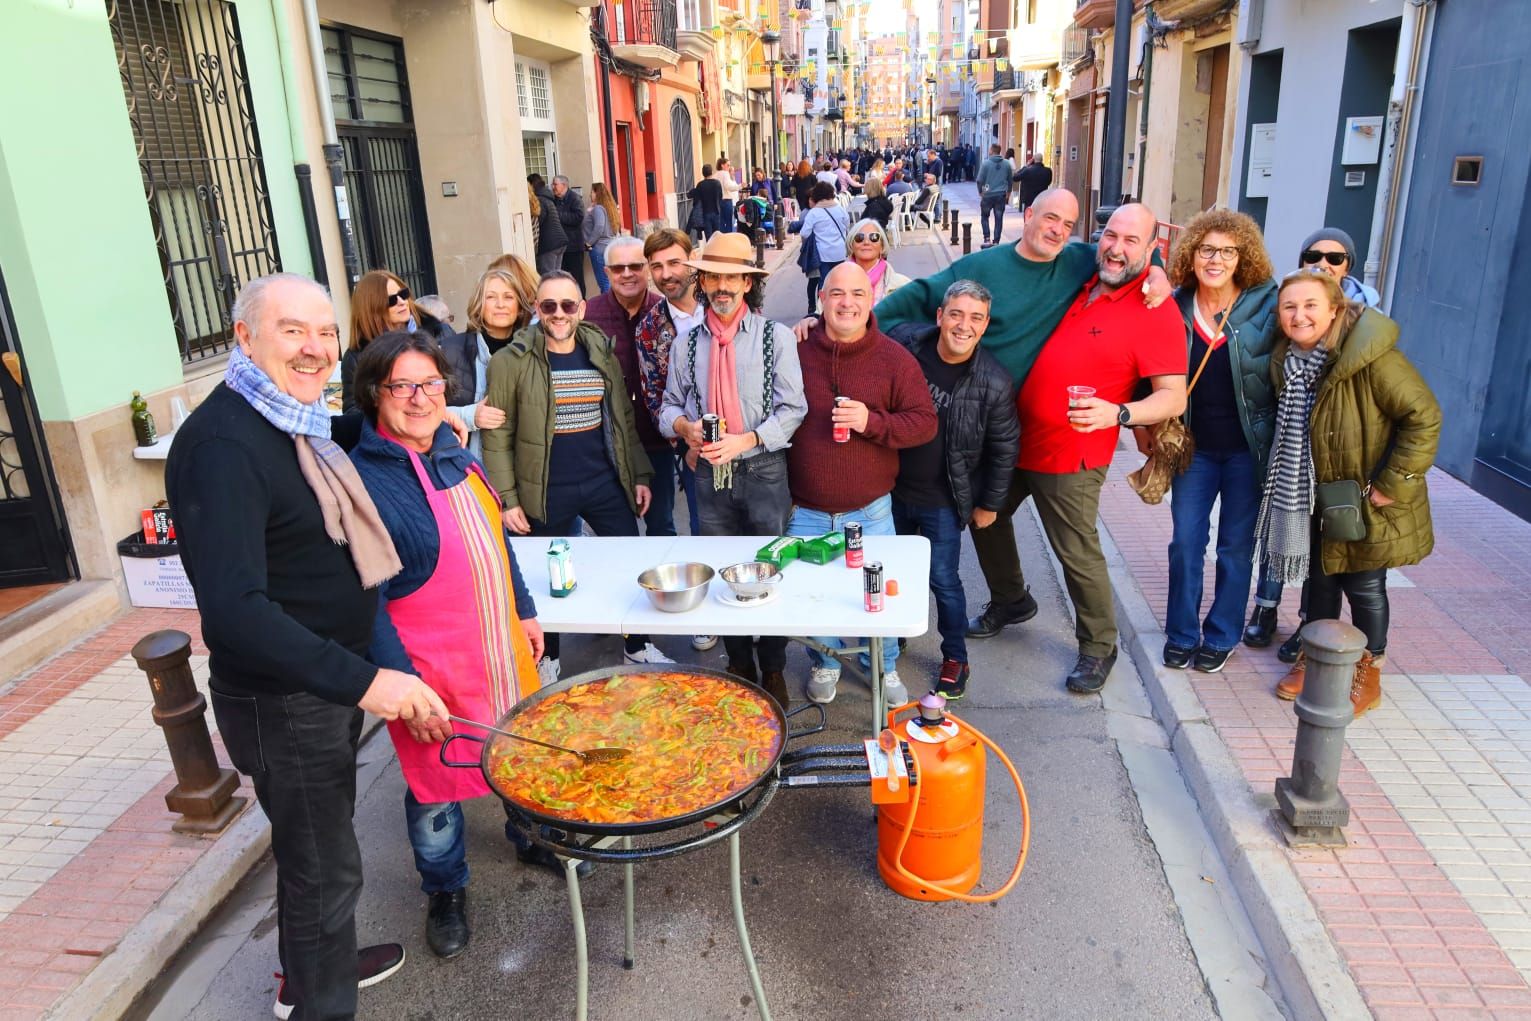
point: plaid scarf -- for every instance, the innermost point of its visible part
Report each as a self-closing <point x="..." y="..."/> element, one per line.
<point x="350" y="516"/>
<point x="1284" y="529"/>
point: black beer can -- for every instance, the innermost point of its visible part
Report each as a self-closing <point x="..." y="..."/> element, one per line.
<point x="712" y="428"/>
<point x="871" y="579"/>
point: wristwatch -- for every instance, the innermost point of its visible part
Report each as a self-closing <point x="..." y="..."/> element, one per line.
<point x="1123" y="416"/>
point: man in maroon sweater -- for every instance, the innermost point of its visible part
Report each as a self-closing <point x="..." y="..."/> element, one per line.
<point x="886" y="406"/>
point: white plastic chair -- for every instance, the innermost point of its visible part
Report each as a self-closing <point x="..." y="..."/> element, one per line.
<point x="903" y="215"/>
<point x="928" y="216"/>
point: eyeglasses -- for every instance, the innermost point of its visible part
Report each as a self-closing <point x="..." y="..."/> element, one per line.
<point x="401" y="295"/>
<point x="858" y="238"/>
<point x="1313" y="256"/>
<point x="624" y="267"/>
<point x="551" y="307"/>
<point x="1210" y="252"/>
<point x="406" y="391"/>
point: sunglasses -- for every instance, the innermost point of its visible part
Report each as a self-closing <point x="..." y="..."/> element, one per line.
<point x="624" y="267"/>
<point x="551" y="307"/>
<point x="406" y="391"/>
<point x="1313" y="256"/>
<point x="858" y="238"/>
<point x="402" y="295"/>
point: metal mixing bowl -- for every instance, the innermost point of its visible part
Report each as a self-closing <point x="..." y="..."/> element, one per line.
<point x="676" y="588"/>
<point x="751" y="579"/>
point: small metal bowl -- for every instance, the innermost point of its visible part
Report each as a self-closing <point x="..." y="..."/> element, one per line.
<point x="751" y="580"/>
<point x="676" y="588"/>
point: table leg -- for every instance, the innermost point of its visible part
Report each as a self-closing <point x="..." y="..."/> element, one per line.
<point x="581" y="950"/>
<point x="737" y="895"/>
<point x="879" y="711"/>
<point x="628" y="957"/>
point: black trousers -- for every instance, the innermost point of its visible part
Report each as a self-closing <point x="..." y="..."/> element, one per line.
<point x="300" y="753"/>
<point x="1366" y="591"/>
<point x="758" y="503"/>
<point x="600" y="502"/>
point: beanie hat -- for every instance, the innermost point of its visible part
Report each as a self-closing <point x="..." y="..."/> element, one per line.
<point x="1331" y="234"/>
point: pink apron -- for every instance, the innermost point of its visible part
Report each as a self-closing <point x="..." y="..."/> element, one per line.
<point x="462" y="632"/>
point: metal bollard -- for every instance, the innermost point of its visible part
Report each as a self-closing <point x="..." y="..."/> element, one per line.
<point x="945" y="214"/>
<point x="967" y="238"/>
<point x="780" y="220"/>
<point x="955" y="220"/>
<point x="1311" y="810"/>
<point x="203" y="790"/>
<point x="759" y="248"/>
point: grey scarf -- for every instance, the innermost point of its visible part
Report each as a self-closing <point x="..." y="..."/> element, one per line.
<point x="1283" y="531"/>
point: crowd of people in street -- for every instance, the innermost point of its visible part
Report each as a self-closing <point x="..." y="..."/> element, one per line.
<point x="361" y="562"/>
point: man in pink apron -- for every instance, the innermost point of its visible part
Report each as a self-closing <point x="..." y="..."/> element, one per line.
<point x="458" y="613"/>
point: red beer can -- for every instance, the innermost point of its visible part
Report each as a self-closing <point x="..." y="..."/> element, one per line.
<point x="842" y="432"/>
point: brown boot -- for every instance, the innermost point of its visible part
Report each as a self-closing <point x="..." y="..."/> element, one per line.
<point x="744" y="671"/>
<point x="775" y="685"/>
<point x="1291" y="685"/>
<point x="1366" y="685"/>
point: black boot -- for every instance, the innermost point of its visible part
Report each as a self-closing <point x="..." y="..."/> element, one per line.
<point x="998" y="616"/>
<point x="1290" y="648"/>
<point x="446" y="923"/>
<point x="1262" y="627"/>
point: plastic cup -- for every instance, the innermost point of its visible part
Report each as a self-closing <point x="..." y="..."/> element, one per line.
<point x="1078" y="394"/>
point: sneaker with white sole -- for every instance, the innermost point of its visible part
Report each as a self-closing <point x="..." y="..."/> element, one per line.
<point x="647" y="654"/>
<point x="373" y="964"/>
<point x="893" y="691"/>
<point x="701" y="643"/>
<point x="821" y="684"/>
<point x="547" y="671"/>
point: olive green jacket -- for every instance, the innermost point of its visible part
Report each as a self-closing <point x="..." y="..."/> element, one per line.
<point x="1371" y="396"/>
<point x="520" y="383"/>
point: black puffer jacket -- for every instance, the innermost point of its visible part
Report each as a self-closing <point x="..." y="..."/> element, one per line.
<point x="983" y="434"/>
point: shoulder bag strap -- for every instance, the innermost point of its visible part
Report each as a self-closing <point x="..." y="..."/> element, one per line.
<point x="1210" y="347"/>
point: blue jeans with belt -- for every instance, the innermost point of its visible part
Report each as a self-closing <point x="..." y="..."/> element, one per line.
<point x="1230" y="479"/>
<point x="876" y="519"/>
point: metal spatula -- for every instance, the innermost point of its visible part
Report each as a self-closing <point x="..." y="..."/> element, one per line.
<point x="588" y="755"/>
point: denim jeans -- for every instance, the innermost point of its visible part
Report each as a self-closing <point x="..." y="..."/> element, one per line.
<point x="876" y="519"/>
<point x="941" y="526"/>
<point x="726" y="217"/>
<point x="299" y="752"/>
<point x="437" y="835"/>
<point x="598" y="269"/>
<point x="992" y="205"/>
<point x="660" y="520"/>
<point x="757" y="503"/>
<point x="1229" y="479"/>
<point x="601" y="503"/>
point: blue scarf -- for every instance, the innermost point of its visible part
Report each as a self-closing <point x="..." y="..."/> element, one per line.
<point x="350" y="516"/>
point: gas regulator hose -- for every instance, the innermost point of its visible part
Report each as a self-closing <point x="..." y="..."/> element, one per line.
<point x="1020" y="861"/>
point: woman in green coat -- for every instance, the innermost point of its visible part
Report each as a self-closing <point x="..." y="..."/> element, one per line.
<point x="1350" y="407"/>
<point x="568" y="451"/>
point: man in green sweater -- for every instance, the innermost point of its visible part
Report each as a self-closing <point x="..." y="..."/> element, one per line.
<point x="1033" y="282"/>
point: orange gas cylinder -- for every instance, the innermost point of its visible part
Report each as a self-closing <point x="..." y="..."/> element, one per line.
<point x="946" y="844"/>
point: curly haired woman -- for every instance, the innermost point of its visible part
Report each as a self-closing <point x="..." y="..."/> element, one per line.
<point x="1227" y="296"/>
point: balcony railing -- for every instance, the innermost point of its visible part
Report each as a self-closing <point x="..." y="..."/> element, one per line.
<point x="1076" y="46"/>
<point x="1004" y="80"/>
<point x="647" y="23"/>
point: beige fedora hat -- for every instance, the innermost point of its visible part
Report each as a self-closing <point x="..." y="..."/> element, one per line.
<point x="727" y="253"/>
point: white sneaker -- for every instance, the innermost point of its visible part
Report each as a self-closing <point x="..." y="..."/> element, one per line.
<point x="547" y="671"/>
<point x="701" y="643"/>
<point x="893" y="691"/>
<point x="647" y="654"/>
<point x="821" y="684"/>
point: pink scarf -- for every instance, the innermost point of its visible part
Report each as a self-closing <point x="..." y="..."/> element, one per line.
<point x="876" y="272"/>
<point x="722" y="375"/>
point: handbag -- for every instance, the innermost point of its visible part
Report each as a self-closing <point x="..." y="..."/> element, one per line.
<point x="1340" y="517"/>
<point x="1173" y="445"/>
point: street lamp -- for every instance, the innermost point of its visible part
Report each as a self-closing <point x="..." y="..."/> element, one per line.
<point x="770" y="43"/>
<point x="930" y="86"/>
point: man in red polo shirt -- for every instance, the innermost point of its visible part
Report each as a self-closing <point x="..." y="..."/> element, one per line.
<point x="1108" y="341"/>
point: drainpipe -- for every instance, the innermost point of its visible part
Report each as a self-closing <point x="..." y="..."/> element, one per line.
<point x="1147" y="68"/>
<point x="1400" y="110"/>
<point x="304" y="172"/>
<point x="334" y="155"/>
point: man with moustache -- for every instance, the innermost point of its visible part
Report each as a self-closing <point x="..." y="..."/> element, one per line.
<point x="1034" y="282"/>
<point x="963" y="474"/>
<point x="854" y="376"/>
<point x="285" y="551"/>
<point x="1109" y="341"/>
<point x="742" y="367"/>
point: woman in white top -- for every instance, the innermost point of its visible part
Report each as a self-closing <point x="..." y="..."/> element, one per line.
<point x="730" y="194"/>
<point x="830" y="226"/>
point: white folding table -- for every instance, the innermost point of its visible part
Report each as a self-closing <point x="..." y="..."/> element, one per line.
<point x="814" y="599"/>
